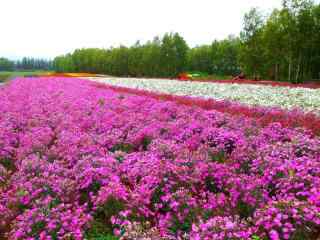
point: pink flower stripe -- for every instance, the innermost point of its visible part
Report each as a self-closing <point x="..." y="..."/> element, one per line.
<point x="263" y="115"/>
<point x="76" y="158"/>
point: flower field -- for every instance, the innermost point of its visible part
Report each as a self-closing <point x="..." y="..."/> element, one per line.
<point x="82" y="160"/>
<point x="311" y="85"/>
<point x="255" y="95"/>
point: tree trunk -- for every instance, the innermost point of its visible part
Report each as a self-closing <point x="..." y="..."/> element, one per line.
<point x="298" y="69"/>
<point x="289" y="69"/>
<point x="276" y="75"/>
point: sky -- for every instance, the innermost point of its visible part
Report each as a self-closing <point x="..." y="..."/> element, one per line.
<point x="47" y="28"/>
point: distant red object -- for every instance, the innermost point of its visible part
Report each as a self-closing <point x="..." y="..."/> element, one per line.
<point x="184" y="77"/>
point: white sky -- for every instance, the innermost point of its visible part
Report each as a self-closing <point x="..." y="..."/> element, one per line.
<point x="47" y="28"/>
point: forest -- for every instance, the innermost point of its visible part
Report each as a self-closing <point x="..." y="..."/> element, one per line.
<point x="26" y="63"/>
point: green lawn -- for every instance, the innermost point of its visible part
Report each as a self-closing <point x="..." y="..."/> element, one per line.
<point x="214" y="77"/>
<point x="5" y="76"/>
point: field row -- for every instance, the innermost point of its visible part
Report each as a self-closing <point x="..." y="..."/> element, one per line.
<point x="261" y="116"/>
<point x="78" y="160"/>
<point x="254" y="95"/>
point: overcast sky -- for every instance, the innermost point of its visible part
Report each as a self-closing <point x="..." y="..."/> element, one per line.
<point x="47" y="28"/>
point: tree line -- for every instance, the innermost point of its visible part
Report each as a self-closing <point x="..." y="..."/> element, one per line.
<point x="6" y="64"/>
<point x="25" y="63"/>
<point x="284" y="45"/>
<point x="162" y="57"/>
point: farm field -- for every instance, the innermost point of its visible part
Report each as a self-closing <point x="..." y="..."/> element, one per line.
<point x="256" y="95"/>
<point x="6" y="75"/>
<point x="157" y="120"/>
<point x="120" y="158"/>
<point x="311" y="85"/>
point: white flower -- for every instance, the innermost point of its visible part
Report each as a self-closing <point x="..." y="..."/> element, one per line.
<point x="260" y="95"/>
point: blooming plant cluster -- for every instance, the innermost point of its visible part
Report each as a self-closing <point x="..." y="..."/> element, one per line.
<point x="77" y="159"/>
<point x="262" y="115"/>
<point x="256" y="95"/>
<point x="255" y="82"/>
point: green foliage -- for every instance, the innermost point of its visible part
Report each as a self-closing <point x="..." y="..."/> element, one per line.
<point x="213" y="77"/>
<point x="226" y="56"/>
<point x="151" y="59"/>
<point x="103" y="237"/>
<point x="37" y="227"/>
<point x="282" y="46"/>
<point x="200" y="59"/>
<point x="159" y="58"/>
<point x="185" y="224"/>
<point x="285" y="46"/>
<point x="101" y="227"/>
<point x="146" y="141"/>
<point x="6" y="64"/>
<point x="7" y="163"/>
<point x="211" y="186"/>
<point x="123" y="147"/>
<point x="173" y="55"/>
<point x="7" y="75"/>
<point x="98" y="231"/>
<point x="28" y="63"/>
<point x="165" y="57"/>
<point x="219" y="157"/>
<point x="111" y="207"/>
<point x="252" y="54"/>
<point x="255" y="238"/>
<point x="245" y="210"/>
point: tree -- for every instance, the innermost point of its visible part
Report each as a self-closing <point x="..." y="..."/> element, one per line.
<point x="6" y="64"/>
<point x="135" y="66"/>
<point x="315" y="49"/>
<point x="252" y="52"/>
<point x="225" y="55"/>
<point x="151" y="57"/>
<point x="274" y="41"/>
<point x="173" y="54"/>
<point x="200" y="59"/>
<point x="64" y="63"/>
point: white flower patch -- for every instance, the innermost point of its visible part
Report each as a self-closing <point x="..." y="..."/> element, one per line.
<point x="256" y="95"/>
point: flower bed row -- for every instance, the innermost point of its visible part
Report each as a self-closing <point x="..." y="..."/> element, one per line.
<point x="75" y="75"/>
<point x="261" y="115"/>
<point x="254" y="95"/>
<point x="77" y="161"/>
<point x="311" y="85"/>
